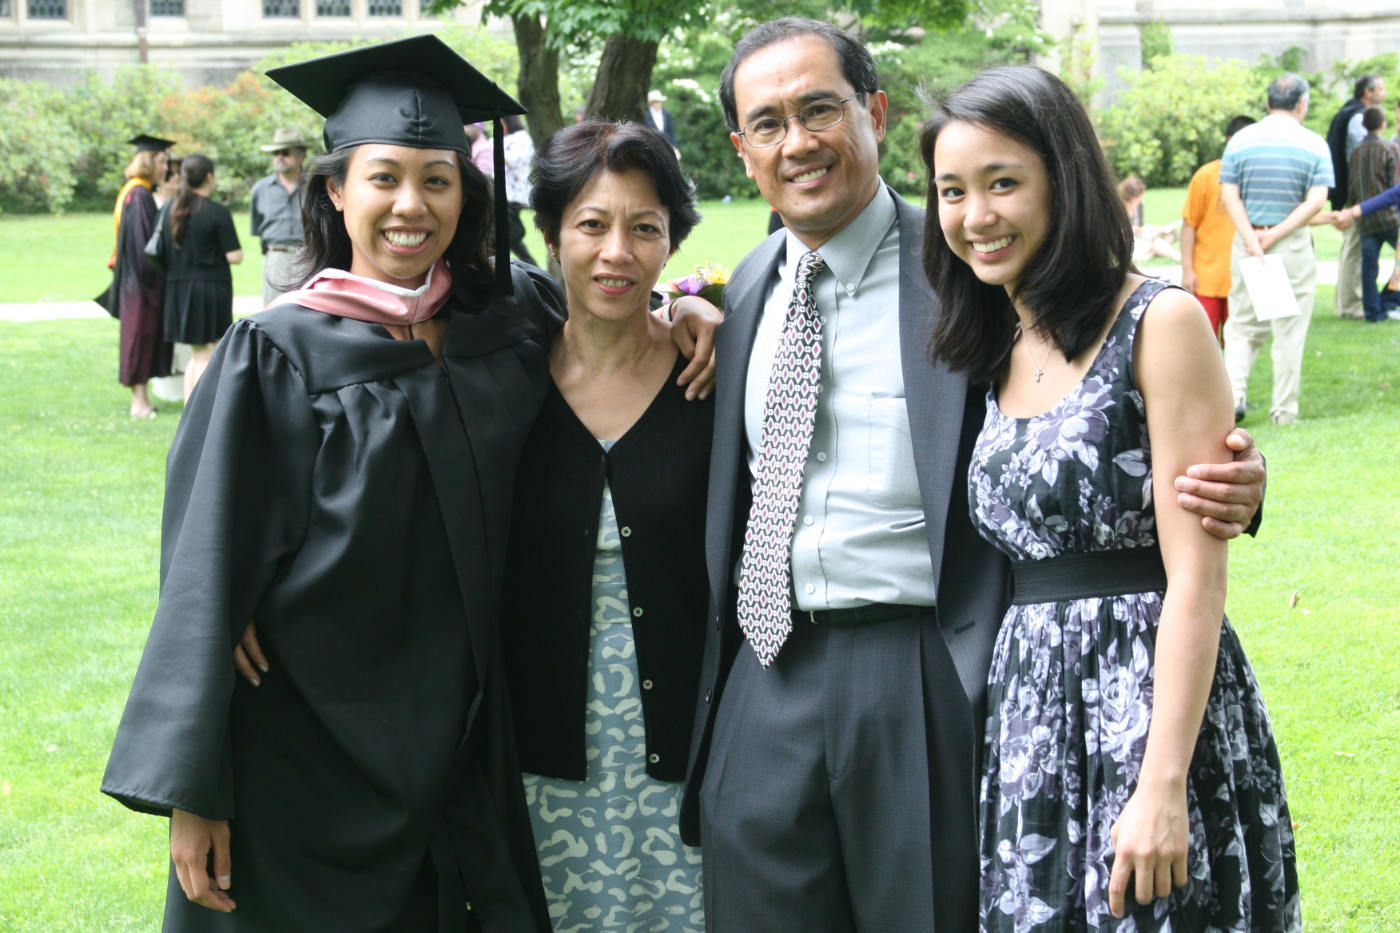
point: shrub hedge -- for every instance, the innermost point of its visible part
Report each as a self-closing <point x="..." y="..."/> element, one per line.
<point x="65" y="150"/>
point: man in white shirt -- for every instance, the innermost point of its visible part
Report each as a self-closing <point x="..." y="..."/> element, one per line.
<point x="520" y="154"/>
<point x="832" y="784"/>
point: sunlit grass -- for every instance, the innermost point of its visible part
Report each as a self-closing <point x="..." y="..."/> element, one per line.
<point x="1314" y="598"/>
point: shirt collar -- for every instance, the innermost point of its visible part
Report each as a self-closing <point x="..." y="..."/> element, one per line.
<point x="849" y="252"/>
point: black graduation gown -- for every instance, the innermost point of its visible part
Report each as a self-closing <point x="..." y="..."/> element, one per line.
<point x="352" y="496"/>
<point x="136" y="294"/>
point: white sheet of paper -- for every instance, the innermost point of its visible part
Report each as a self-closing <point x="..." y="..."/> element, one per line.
<point x="1266" y="280"/>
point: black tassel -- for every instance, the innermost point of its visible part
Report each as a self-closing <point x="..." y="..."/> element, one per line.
<point x="503" y="283"/>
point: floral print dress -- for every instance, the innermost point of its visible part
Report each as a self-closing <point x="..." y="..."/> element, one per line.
<point x="1070" y="688"/>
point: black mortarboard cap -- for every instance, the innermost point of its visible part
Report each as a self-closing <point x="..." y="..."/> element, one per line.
<point x="413" y="92"/>
<point x="144" y="143"/>
<point x="410" y="92"/>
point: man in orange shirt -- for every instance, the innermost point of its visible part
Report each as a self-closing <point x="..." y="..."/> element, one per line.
<point x="1206" y="234"/>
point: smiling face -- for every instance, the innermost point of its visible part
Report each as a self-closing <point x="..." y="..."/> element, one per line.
<point x="993" y="200"/>
<point x="818" y="181"/>
<point x="614" y="239"/>
<point x="401" y="207"/>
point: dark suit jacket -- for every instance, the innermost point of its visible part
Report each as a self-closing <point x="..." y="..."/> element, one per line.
<point x="945" y="414"/>
<point x="1337" y="145"/>
<point x="668" y="125"/>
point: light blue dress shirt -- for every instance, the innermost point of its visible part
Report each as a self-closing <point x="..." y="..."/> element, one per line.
<point x="859" y="536"/>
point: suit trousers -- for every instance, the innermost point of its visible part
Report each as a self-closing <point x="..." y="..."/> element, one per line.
<point x="1245" y="334"/>
<point x="840" y="789"/>
<point x="1347" y="299"/>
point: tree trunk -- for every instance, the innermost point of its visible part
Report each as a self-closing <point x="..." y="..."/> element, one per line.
<point x="624" y="74"/>
<point x="538" y="82"/>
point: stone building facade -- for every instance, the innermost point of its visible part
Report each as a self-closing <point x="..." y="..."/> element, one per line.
<point x="1328" y="31"/>
<point x="207" y="41"/>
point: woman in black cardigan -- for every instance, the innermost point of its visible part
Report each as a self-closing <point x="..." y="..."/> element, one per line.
<point x="604" y="596"/>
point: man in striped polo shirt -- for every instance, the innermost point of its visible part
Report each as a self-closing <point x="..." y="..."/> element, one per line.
<point x="1274" y="178"/>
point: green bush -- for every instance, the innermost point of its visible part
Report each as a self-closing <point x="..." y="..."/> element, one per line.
<point x="37" y="150"/>
<point x="69" y="149"/>
<point x="1155" y="38"/>
<point x="939" y="62"/>
<point x="901" y="165"/>
<point x="687" y="71"/>
<point x="1171" y="119"/>
<point x="228" y="125"/>
<point x="104" y="115"/>
<point x="707" y="154"/>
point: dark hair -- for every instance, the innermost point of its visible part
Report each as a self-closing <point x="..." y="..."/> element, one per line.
<point x="513" y="123"/>
<point x="571" y="157"/>
<point x="1373" y="119"/>
<point x="856" y="63"/>
<point x="1072" y="282"/>
<point x="327" y="243"/>
<point x="1286" y="90"/>
<point x="1131" y="187"/>
<point x="1364" y="84"/>
<point x="1236" y="124"/>
<point x="194" y="171"/>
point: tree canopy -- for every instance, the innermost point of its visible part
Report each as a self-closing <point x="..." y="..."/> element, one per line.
<point x="630" y="31"/>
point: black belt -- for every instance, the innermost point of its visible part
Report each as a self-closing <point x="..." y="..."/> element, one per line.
<point x="1078" y="576"/>
<point x="860" y="615"/>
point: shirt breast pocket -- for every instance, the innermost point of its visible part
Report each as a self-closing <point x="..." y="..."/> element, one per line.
<point x="891" y="479"/>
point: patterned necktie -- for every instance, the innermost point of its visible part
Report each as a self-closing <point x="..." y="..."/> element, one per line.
<point x="789" y="411"/>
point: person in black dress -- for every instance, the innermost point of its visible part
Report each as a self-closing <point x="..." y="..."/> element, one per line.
<point x="1130" y="777"/>
<point x="201" y="243"/>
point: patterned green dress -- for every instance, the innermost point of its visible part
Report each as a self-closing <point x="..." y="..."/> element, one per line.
<point x="610" y="851"/>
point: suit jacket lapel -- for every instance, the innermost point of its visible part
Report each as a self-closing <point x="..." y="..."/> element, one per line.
<point x="743" y="302"/>
<point x="933" y="395"/>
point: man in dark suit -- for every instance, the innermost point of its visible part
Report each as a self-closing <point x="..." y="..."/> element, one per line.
<point x="660" y="119"/>
<point x="832" y="776"/>
<point x="1344" y="134"/>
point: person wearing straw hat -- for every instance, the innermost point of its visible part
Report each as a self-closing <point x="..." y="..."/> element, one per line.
<point x="343" y="476"/>
<point x="659" y="118"/>
<point x="275" y="208"/>
<point x="135" y="295"/>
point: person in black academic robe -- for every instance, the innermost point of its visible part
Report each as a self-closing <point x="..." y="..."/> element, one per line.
<point x="330" y="486"/>
<point x="137" y="290"/>
<point x="344" y="479"/>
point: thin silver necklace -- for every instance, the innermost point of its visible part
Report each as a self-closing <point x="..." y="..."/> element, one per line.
<point x="1030" y="356"/>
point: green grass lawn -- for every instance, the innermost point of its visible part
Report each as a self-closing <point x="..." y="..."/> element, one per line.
<point x="1314" y="598"/>
<point x="65" y="258"/>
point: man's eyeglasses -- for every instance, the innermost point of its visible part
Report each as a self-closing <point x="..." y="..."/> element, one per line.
<point x="284" y="152"/>
<point x="819" y="115"/>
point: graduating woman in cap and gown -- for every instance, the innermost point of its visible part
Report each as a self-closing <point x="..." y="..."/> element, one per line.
<point x="343" y="474"/>
<point x="135" y="295"/>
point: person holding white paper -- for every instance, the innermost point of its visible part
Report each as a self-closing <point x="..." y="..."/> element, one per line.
<point x="1274" y="177"/>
